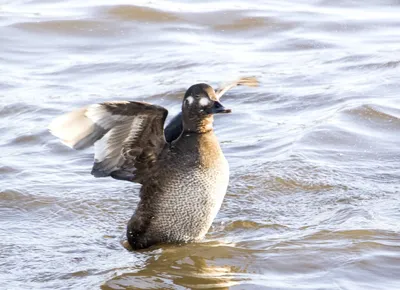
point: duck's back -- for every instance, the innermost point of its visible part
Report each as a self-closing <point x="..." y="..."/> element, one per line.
<point x="179" y="202"/>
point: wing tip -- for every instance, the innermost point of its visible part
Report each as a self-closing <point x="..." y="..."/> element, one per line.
<point x="76" y="130"/>
<point x="53" y="131"/>
<point x="250" y="81"/>
<point x="97" y="172"/>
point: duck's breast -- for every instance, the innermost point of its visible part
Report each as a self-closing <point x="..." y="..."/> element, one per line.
<point x="193" y="184"/>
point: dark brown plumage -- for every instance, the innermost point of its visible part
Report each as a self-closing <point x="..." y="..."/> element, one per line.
<point x="183" y="181"/>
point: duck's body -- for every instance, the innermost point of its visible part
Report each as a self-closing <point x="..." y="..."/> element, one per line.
<point x="182" y="170"/>
<point x="179" y="203"/>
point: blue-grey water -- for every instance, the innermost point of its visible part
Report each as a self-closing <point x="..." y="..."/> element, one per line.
<point x="314" y="151"/>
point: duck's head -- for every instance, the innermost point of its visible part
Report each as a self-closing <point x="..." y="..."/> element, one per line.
<point x="198" y="107"/>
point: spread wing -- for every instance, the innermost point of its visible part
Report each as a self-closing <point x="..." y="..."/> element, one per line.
<point x="128" y="136"/>
<point x="245" y="81"/>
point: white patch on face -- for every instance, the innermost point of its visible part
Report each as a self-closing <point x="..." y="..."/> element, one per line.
<point x="204" y="101"/>
<point x="189" y="100"/>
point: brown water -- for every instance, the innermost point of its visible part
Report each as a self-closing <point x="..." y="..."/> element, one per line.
<point x="314" y="196"/>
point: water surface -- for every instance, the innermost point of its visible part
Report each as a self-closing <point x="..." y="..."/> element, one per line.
<point x="313" y="201"/>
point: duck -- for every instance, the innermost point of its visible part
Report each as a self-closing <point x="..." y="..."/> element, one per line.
<point x="182" y="170"/>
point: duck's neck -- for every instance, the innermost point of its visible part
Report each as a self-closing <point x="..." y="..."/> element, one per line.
<point x="198" y="125"/>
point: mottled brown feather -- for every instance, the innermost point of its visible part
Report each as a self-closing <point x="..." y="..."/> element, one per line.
<point x="140" y="154"/>
<point x="128" y="136"/>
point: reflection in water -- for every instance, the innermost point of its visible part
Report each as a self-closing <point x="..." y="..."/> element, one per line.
<point x="194" y="266"/>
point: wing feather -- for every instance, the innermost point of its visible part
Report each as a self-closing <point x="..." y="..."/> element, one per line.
<point x="123" y="133"/>
<point x="244" y="81"/>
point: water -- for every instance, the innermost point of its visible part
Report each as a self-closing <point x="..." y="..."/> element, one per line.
<point x="313" y="201"/>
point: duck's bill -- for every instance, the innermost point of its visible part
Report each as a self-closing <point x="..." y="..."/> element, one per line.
<point x="218" y="108"/>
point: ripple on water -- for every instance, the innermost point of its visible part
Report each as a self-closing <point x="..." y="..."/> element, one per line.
<point x="313" y="199"/>
<point x="27" y="139"/>
<point x="374" y="66"/>
<point x="4" y="170"/>
<point x="377" y="114"/>
<point x="16" y="108"/>
<point x="140" y="14"/>
<point x="248" y="224"/>
<point x="301" y="44"/>
<point x="81" y="28"/>
<point x="241" y="23"/>
<point x="351" y="135"/>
